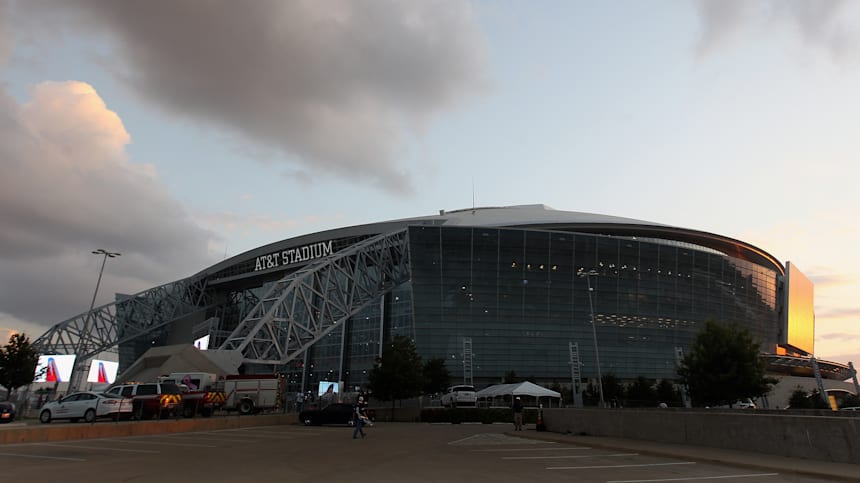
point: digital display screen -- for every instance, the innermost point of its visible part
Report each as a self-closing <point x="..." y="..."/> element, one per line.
<point x="102" y="372"/>
<point x="328" y="388"/>
<point x="54" y="368"/>
<point x="801" y="310"/>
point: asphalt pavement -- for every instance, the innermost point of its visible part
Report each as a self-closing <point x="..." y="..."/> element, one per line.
<point x="757" y="461"/>
<point x="392" y="452"/>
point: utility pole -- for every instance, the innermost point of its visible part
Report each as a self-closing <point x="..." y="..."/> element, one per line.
<point x="587" y="276"/>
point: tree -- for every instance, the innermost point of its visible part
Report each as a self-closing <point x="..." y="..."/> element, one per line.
<point x="510" y="378"/>
<point x="18" y="361"/>
<point x="801" y="399"/>
<point x="641" y="393"/>
<point x="398" y="374"/>
<point x="613" y="391"/>
<point x="724" y="365"/>
<point x="668" y="393"/>
<point x="436" y="376"/>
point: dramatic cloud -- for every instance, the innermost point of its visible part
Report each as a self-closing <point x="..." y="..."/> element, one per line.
<point x="337" y="86"/>
<point x="6" y="37"/>
<point x="67" y="189"/>
<point x="831" y="25"/>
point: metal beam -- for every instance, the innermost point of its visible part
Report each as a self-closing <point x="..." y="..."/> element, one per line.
<point x="308" y="304"/>
<point x="107" y="326"/>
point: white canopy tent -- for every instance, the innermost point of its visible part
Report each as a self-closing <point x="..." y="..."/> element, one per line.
<point x="531" y="393"/>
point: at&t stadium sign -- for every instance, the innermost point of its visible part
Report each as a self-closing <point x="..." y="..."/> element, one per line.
<point x="293" y="255"/>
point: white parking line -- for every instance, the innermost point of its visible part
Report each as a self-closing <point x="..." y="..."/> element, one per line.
<point x="76" y="446"/>
<point x="570" y="448"/>
<point x="195" y="437"/>
<point x="493" y="438"/>
<point x="252" y="430"/>
<point x="269" y="435"/>
<point x="560" y="457"/>
<point x="695" y="478"/>
<point x="137" y="441"/>
<point x="41" y="457"/>
<point x="617" y="466"/>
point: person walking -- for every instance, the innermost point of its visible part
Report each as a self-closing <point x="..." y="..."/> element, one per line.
<point x="300" y="399"/>
<point x="359" y="417"/>
<point x="518" y="414"/>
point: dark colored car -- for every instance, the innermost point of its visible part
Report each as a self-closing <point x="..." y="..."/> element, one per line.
<point x="7" y="412"/>
<point x="338" y="413"/>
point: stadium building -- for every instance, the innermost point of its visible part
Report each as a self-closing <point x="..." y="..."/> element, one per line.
<point x="547" y="294"/>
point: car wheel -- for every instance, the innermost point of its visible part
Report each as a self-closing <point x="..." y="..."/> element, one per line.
<point x="45" y="417"/>
<point x="90" y="416"/>
<point x="308" y="422"/>
<point x="350" y="423"/>
<point x="246" y="407"/>
<point x="137" y="411"/>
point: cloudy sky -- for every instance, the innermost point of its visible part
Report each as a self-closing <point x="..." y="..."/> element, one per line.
<point x="180" y="133"/>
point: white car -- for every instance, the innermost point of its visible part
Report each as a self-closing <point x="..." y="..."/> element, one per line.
<point x="461" y="395"/>
<point x="745" y="404"/>
<point x="88" y="406"/>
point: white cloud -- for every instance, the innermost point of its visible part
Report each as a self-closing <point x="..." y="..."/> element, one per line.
<point x="67" y="189"/>
<point x="830" y="25"/>
<point x="338" y="87"/>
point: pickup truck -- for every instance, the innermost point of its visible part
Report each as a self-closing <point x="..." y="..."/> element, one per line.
<point x="461" y="395"/>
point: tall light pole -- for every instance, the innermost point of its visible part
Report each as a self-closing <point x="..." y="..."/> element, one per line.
<point x="107" y="254"/>
<point x="587" y="276"/>
<point x="81" y="365"/>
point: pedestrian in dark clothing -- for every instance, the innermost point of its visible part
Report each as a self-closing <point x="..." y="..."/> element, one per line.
<point x="359" y="418"/>
<point x="518" y="414"/>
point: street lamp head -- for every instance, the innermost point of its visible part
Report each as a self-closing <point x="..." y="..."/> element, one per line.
<point x="102" y="251"/>
<point x="589" y="273"/>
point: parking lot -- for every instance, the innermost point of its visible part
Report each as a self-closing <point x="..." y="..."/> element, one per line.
<point x="392" y="452"/>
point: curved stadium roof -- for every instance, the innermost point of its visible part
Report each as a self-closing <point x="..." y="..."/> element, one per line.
<point x="527" y="216"/>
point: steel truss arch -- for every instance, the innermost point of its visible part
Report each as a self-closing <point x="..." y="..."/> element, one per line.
<point x="308" y="304"/>
<point x="110" y="325"/>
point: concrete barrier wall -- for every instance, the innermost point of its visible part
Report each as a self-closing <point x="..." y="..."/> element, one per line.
<point x="105" y="429"/>
<point x="835" y="439"/>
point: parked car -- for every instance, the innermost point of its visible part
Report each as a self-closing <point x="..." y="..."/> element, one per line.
<point x="337" y="413"/>
<point x="461" y="395"/>
<point x="7" y="412"/>
<point x="151" y="400"/>
<point x="88" y="406"/>
<point x="745" y="404"/>
<point x="852" y="408"/>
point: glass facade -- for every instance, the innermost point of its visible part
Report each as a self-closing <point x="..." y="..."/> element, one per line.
<point x="518" y="295"/>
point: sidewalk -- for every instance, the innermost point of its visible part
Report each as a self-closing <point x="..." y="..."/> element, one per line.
<point x="781" y="464"/>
